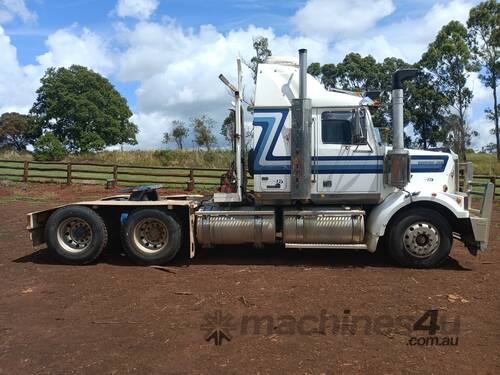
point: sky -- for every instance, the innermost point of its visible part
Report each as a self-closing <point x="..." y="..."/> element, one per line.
<point x="164" y="56"/>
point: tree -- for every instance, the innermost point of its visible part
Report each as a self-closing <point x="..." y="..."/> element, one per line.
<point x="179" y="132"/>
<point x="354" y="73"/>
<point x="166" y="138"/>
<point x="228" y="127"/>
<point x="329" y="76"/>
<point x="453" y="132"/>
<point x="16" y="131"/>
<point x="314" y="69"/>
<point x="48" y="148"/>
<point x="203" y="135"/>
<point x="83" y="110"/>
<point x="484" y="42"/>
<point x="357" y="73"/>
<point x="490" y="148"/>
<point x="426" y="109"/>
<point x="382" y="117"/>
<point x="262" y="52"/>
<point x="449" y="58"/>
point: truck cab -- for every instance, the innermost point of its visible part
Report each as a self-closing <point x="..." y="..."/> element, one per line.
<point x="347" y="153"/>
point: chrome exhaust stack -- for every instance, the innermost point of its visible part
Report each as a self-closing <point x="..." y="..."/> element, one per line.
<point x="397" y="161"/>
<point x="300" y="152"/>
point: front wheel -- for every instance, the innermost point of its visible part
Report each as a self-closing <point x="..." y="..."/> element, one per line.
<point x="420" y="238"/>
<point x="151" y="236"/>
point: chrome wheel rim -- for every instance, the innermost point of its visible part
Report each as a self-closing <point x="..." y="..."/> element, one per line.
<point x="151" y="235"/>
<point x="421" y="239"/>
<point x="74" y="235"/>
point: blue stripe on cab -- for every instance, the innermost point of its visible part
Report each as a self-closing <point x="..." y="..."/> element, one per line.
<point x="419" y="163"/>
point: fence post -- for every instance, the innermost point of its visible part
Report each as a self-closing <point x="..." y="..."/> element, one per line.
<point x="190" y="184"/>
<point x="115" y="175"/>
<point x="26" y="170"/>
<point x="68" y="174"/>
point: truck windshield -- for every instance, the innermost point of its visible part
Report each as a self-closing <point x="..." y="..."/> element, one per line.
<point x="336" y="127"/>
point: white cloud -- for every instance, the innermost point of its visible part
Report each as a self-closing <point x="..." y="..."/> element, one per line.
<point x="378" y="46"/>
<point x="11" y="9"/>
<point x="140" y="9"/>
<point x="483" y="98"/>
<point x="483" y="126"/>
<point x="336" y="19"/>
<point x="17" y="83"/>
<point x="480" y="91"/>
<point x="70" y="46"/>
<point x="405" y="38"/>
<point x="177" y="68"/>
<point x="152" y="126"/>
<point x="411" y="36"/>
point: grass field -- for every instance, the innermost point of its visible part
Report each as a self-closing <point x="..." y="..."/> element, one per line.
<point x="178" y="158"/>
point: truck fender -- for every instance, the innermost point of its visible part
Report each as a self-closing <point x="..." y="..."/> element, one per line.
<point x="379" y="217"/>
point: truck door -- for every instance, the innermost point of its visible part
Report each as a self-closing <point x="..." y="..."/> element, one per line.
<point x="345" y="159"/>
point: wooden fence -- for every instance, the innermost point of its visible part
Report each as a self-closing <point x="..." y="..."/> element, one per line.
<point x="122" y="175"/>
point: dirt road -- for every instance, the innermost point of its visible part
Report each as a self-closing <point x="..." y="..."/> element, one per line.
<point x="271" y="310"/>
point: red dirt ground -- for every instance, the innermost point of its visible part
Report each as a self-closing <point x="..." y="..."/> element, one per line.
<point x="114" y="317"/>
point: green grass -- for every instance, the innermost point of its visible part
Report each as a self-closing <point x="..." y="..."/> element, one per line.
<point x="486" y="164"/>
<point x="40" y="197"/>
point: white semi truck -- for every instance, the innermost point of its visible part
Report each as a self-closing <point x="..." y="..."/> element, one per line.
<point x="323" y="179"/>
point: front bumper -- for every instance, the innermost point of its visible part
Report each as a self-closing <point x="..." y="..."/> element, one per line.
<point x="480" y="222"/>
<point x="478" y="230"/>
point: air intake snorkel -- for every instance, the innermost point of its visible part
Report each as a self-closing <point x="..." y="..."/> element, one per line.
<point x="397" y="161"/>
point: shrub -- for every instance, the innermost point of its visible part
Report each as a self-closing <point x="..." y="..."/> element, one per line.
<point x="48" y="148"/>
<point x="166" y="157"/>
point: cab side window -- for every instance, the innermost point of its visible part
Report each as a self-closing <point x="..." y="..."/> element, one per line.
<point x="336" y="127"/>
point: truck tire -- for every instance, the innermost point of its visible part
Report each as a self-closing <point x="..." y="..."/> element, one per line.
<point x="151" y="236"/>
<point x="420" y="238"/>
<point x="75" y="234"/>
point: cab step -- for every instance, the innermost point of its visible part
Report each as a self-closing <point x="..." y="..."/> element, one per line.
<point x="335" y="246"/>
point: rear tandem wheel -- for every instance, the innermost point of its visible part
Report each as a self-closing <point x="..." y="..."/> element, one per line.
<point x="75" y="234"/>
<point x="151" y="236"/>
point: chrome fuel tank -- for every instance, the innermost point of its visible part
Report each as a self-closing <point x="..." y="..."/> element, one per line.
<point x="217" y="225"/>
<point x="323" y="226"/>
